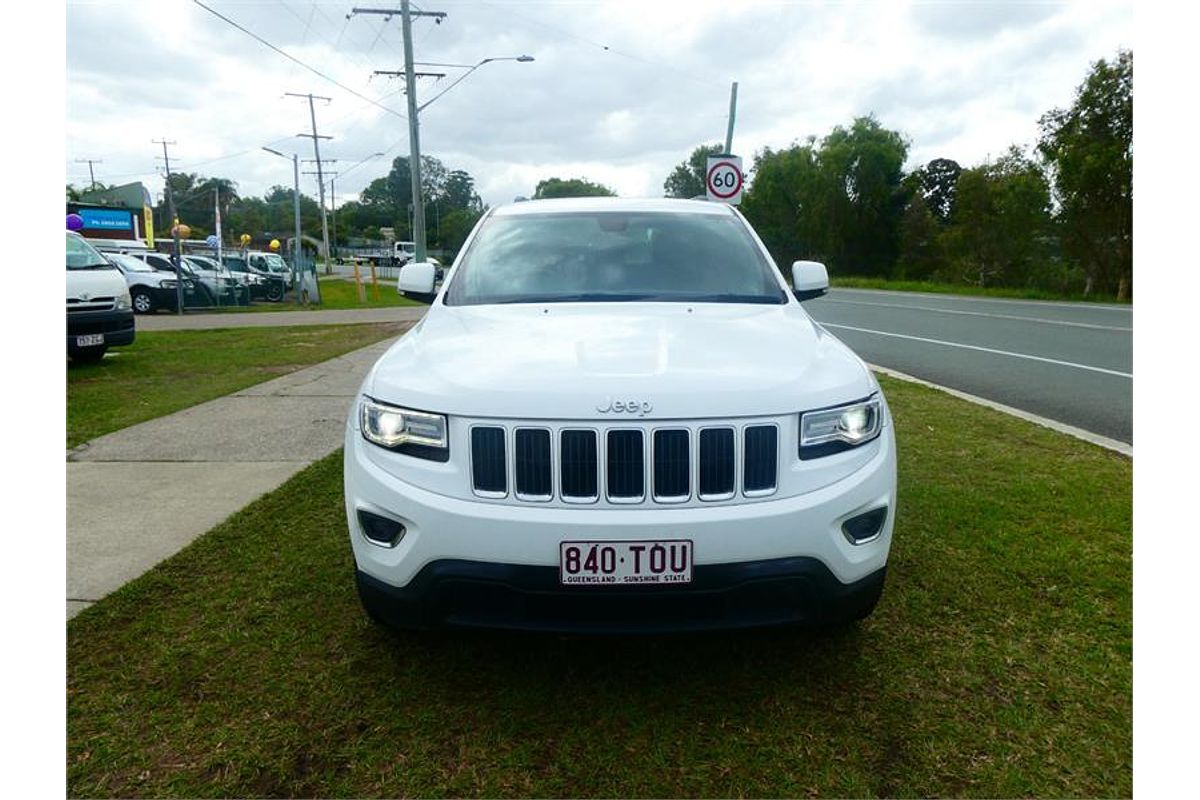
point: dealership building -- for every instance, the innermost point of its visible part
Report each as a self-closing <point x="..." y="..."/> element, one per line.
<point x="122" y="212"/>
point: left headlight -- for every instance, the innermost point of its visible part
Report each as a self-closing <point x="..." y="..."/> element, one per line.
<point x="404" y="429"/>
<point x="124" y="302"/>
<point x="832" y="430"/>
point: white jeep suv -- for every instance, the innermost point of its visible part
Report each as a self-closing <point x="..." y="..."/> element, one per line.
<point x="617" y="417"/>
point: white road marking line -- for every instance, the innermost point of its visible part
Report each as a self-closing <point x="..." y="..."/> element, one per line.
<point x="965" y="299"/>
<point x="982" y="350"/>
<point x="978" y="314"/>
<point x="1124" y="448"/>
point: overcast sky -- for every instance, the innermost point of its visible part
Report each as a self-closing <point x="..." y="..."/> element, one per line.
<point x="619" y="92"/>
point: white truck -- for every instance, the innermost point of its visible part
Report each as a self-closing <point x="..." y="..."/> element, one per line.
<point x="99" y="307"/>
<point x="403" y="252"/>
<point x="616" y="416"/>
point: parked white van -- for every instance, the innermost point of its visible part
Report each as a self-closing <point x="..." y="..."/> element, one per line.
<point x="99" y="308"/>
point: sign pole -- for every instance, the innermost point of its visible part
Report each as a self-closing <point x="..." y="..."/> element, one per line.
<point x="732" y="116"/>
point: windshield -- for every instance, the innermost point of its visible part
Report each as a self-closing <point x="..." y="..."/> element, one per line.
<point x="276" y="262"/>
<point x="201" y="262"/>
<point x="81" y="255"/>
<point x="614" y="256"/>
<point x="129" y="263"/>
<point x="236" y="264"/>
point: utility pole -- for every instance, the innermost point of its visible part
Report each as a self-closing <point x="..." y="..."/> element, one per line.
<point x="414" y="132"/>
<point x="732" y="115"/>
<point x="320" y="179"/>
<point x="174" y="228"/>
<point x="89" y="162"/>
<point x="297" y="275"/>
<point x="332" y="200"/>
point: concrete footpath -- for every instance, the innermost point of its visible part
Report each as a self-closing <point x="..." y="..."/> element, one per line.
<point x="138" y="495"/>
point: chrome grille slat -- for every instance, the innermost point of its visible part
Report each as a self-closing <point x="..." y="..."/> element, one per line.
<point x="760" y="460"/>
<point x="488" y="463"/>
<point x="672" y="466"/>
<point x="717" y="464"/>
<point x="579" y="466"/>
<point x="626" y="466"/>
<point x="532" y="469"/>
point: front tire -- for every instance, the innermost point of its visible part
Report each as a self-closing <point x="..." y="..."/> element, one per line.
<point x="143" y="303"/>
<point x="274" y="291"/>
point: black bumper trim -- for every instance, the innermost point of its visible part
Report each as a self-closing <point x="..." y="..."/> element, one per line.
<point x="474" y="594"/>
<point x="117" y="326"/>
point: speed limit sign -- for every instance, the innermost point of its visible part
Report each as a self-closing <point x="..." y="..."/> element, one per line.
<point x="723" y="180"/>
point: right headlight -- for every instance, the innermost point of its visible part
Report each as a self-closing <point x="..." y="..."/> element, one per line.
<point x="417" y="433"/>
<point x="831" y="430"/>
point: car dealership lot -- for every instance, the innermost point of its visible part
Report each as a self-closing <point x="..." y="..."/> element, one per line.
<point x="1070" y="362"/>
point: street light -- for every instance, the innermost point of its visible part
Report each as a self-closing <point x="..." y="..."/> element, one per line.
<point x="414" y="136"/>
<point x="296" y="279"/>
<point x="524" y="59"/>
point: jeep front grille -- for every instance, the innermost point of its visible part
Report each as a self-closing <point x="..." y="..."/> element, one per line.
<point x="624" y="464"/>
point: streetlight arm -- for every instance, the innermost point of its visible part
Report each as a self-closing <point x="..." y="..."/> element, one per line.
<point x="460" y="78"/>
<point x="456" y="82"/>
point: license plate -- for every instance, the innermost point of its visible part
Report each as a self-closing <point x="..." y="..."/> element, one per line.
<point x="625" y="563"/>
<point x="91" y="340"/>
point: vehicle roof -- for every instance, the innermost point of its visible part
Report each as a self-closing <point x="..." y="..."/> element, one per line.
<point x="594" y="204"/>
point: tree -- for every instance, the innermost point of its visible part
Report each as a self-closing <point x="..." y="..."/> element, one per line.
<point x="998" y="234"/>
<point x="570" y="187"/>
<point x="780" y="203"/>
<point x="687" y="180"/>
<point x="861" y="197"/>
<point x="455" y="227"/>
<point x="920" y="244"/>
<point x="936" y="182"/>
<point x="458" y="192"/>
<point x="1090" y="148"/>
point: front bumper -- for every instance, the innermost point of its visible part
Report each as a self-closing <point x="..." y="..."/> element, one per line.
<point x="483" y="564"/>
<point x="117" y="326"/>
<point x="473" y="594"/>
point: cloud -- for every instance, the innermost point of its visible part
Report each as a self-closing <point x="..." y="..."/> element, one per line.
<point x="619" y="92"/>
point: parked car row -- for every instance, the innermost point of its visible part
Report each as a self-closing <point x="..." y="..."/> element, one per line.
<point x="238" y="279"/>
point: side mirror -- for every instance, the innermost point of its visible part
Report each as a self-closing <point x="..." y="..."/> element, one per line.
<point x="809" y="280"/>
<point x="416" y="281"/>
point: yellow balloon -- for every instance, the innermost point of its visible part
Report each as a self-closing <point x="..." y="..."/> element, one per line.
<point x="182" y="230"/>
<point x="245" y="238"/>
<point x="274" y="244"/>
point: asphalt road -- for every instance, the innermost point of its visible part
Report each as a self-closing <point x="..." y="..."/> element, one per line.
<point x="1069" y="362"/>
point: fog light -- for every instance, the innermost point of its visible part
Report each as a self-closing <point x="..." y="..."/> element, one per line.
<point x="865" y="527"/>
<point x="380" y="530"/>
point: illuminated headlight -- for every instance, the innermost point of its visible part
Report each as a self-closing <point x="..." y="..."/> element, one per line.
<point x="124" y="302"/>
<point x="834" y="429"/>
<point x="394" y="427"/>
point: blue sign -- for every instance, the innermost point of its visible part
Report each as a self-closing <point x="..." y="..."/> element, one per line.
<point x="109" y="220"/>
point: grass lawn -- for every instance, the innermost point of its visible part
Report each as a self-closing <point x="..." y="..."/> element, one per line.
<point x="165" y="371"/>
<point x="967" y="289"/>
<point x="998" y="663"/>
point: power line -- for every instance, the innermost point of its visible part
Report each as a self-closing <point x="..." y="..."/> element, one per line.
<point x="290" y="57"/>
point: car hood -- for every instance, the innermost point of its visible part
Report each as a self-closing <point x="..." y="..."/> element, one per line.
<point x="568" y="361"/>
<point x="95" y="283"/>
